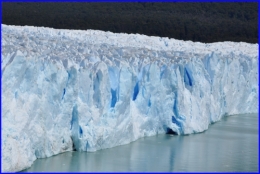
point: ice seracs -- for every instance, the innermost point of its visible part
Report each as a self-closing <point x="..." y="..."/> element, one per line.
<point x="90" y="90"/>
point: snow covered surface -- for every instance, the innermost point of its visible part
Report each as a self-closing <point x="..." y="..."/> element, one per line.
<point x="98" y="89"/>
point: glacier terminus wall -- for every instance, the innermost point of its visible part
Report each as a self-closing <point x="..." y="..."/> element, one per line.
<point x="90" y="90"/>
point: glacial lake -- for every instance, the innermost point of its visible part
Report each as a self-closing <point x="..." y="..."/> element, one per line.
<point x="228" y="145"/>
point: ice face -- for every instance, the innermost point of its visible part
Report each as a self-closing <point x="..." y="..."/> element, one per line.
<point x="90" y="90"/>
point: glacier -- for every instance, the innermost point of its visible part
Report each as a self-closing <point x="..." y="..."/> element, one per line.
<point x="90" y="90"/>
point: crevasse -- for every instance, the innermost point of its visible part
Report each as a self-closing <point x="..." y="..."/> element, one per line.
<point x="90" y="90"/>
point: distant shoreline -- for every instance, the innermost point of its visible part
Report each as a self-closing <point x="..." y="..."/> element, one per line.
<point x="199" y="22"/>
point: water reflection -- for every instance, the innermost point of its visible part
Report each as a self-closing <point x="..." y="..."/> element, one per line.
<point x="229" y="145"/>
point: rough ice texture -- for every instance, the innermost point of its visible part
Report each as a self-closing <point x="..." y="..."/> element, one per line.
<point x="90" y="90"/>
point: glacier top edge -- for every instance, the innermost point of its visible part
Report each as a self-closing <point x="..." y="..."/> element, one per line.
<point x="134" y="40"/>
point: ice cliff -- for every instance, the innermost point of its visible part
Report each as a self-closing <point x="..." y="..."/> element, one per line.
<point x="90" y="90"/>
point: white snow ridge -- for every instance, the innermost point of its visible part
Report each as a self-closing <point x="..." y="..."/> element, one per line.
<point x="90" y="90"/>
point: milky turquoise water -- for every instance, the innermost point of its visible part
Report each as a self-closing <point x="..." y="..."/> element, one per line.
<point x="228" y="145"/>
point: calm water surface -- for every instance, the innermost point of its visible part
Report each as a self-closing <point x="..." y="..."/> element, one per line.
<point x="228" y="145"/>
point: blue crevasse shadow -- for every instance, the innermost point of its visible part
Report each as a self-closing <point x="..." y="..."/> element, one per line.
<point x="188" y="79"/>
<point x="136" y="91"/>
<point x="64" y="91"/>
<point x="114" y="97"/>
